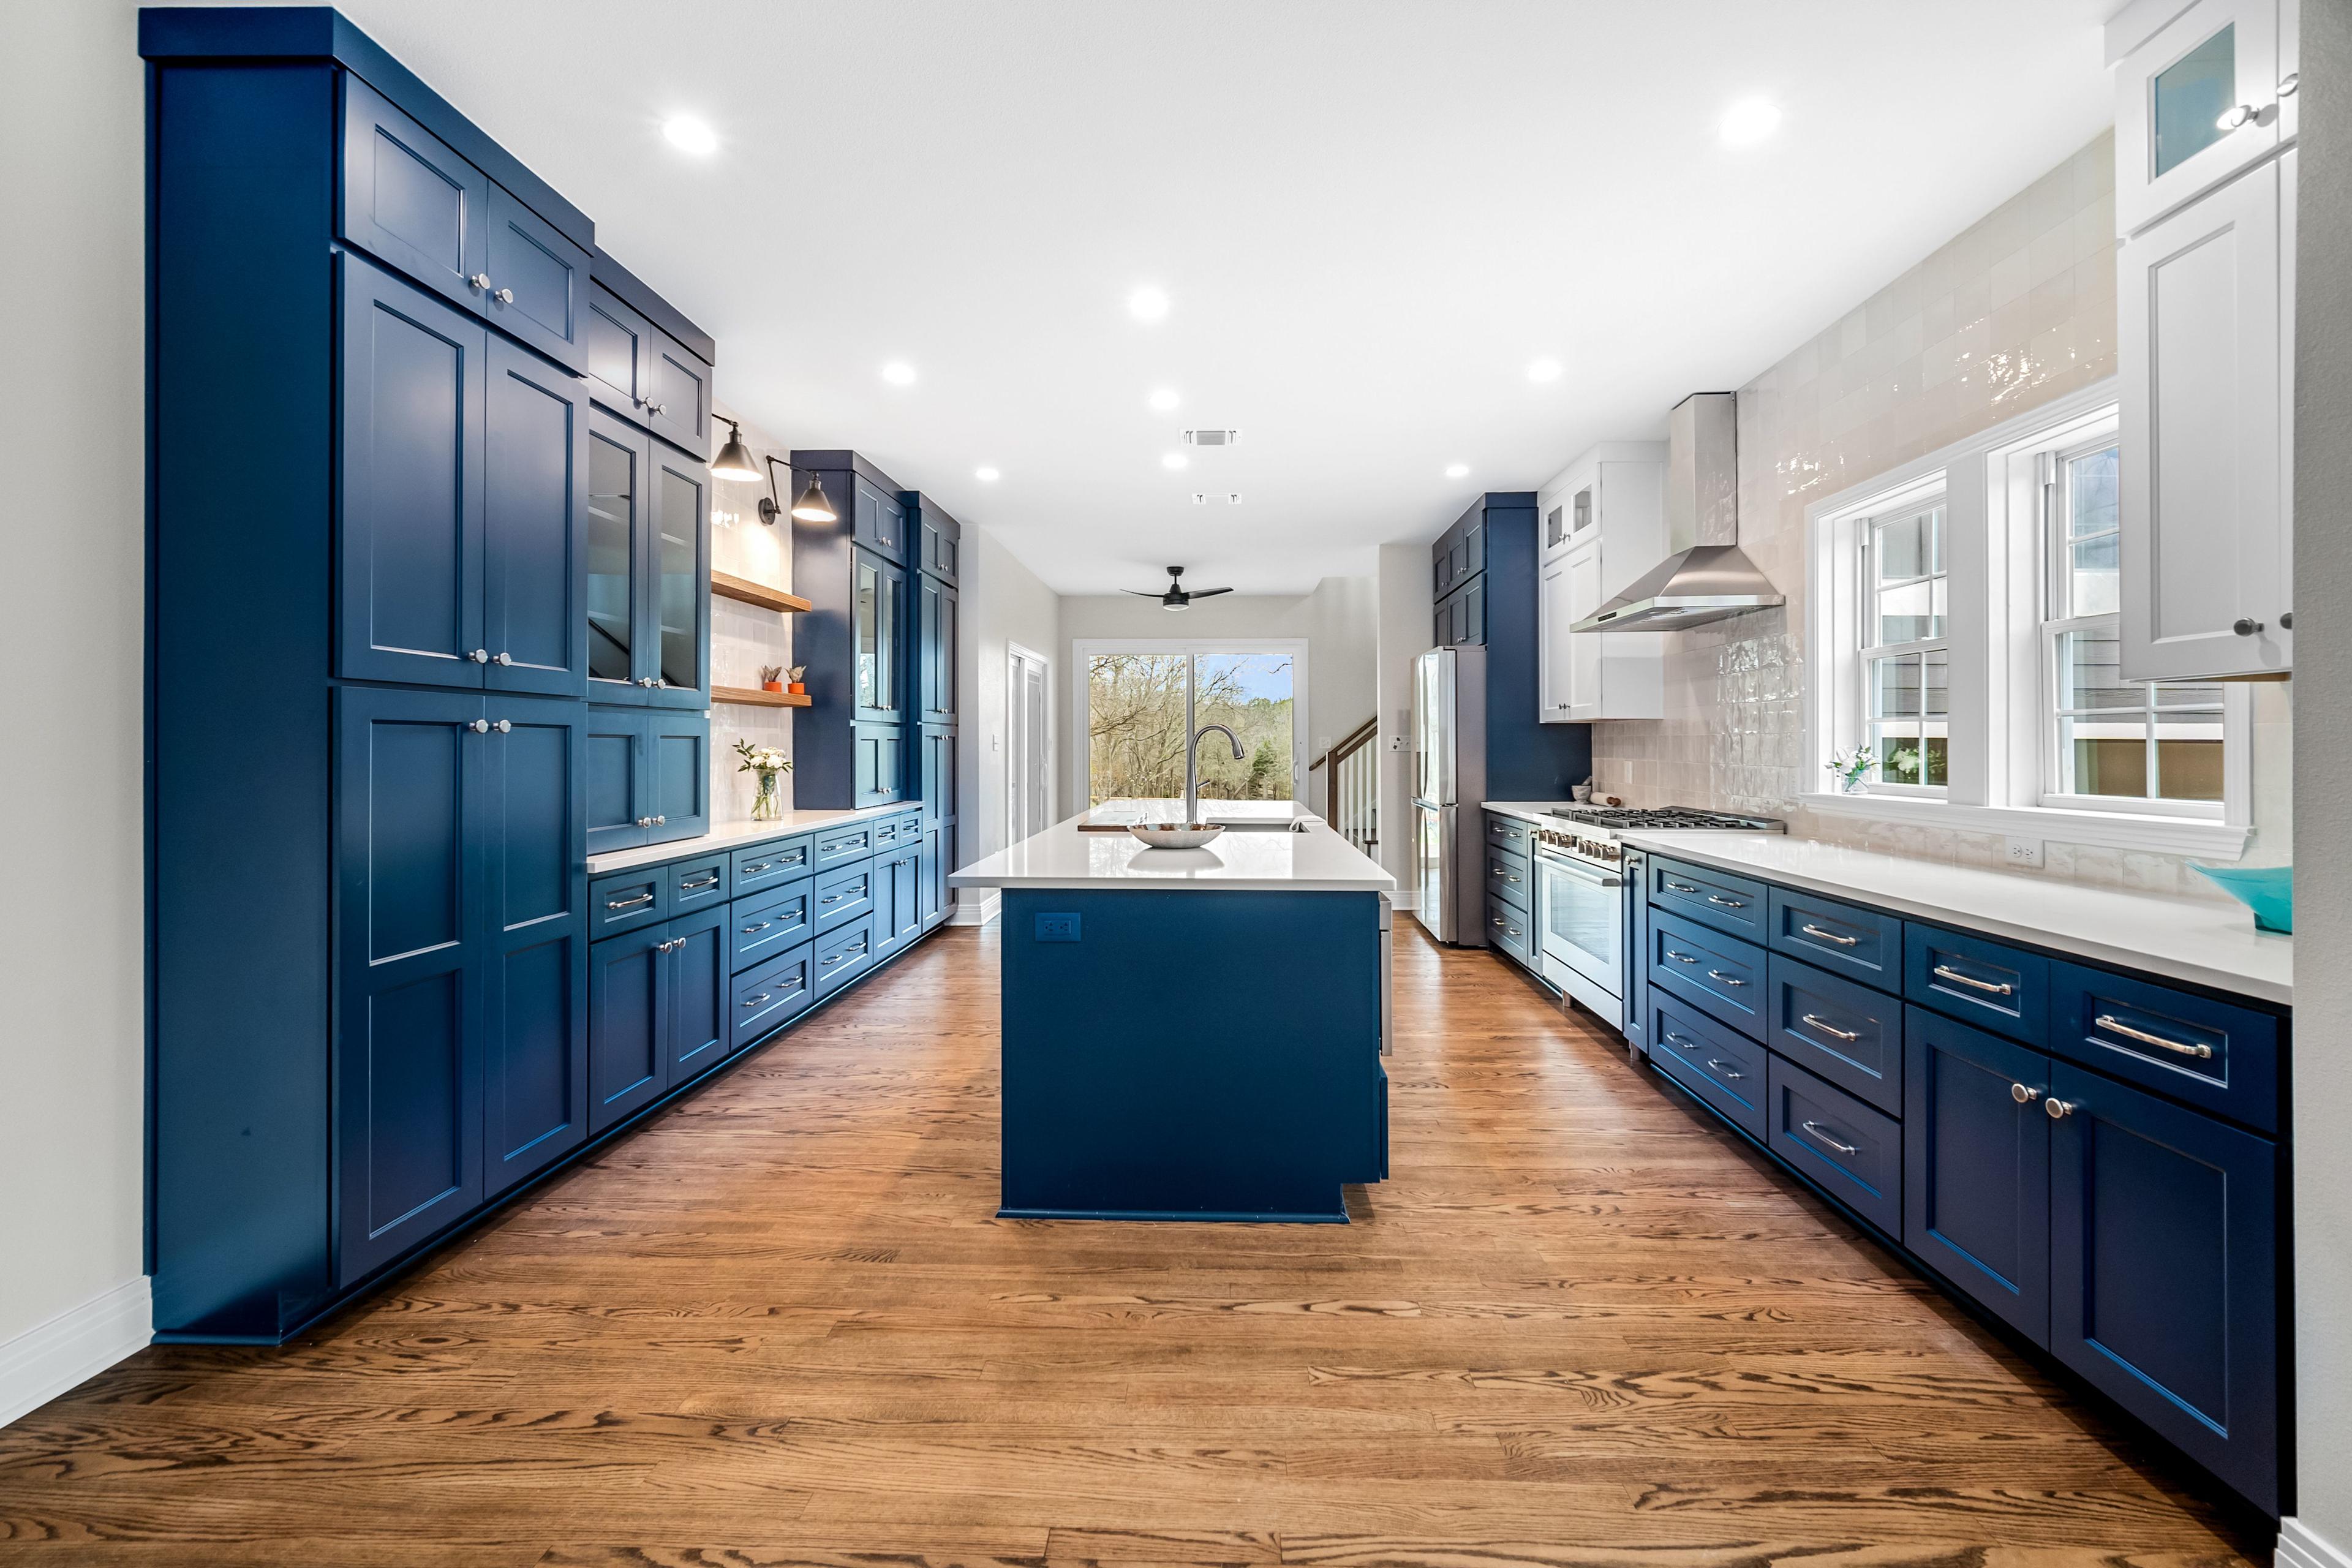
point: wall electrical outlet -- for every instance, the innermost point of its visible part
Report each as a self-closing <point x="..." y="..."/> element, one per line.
<point x="1057" y="928"/>
<point x="2025" y="852"/>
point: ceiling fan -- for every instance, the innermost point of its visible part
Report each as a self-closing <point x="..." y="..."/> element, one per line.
<point x="1176" y="597"/>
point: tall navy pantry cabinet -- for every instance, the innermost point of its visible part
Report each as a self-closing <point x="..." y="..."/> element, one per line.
<point x="377" y="568"/>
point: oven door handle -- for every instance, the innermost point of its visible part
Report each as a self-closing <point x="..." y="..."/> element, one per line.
<point x="1599" y="878"/>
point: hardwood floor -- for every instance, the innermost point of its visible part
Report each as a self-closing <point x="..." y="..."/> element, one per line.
<point x="1580" y="1324"/>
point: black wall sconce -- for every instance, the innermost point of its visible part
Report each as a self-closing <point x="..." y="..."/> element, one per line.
<point x="735" y="461"/>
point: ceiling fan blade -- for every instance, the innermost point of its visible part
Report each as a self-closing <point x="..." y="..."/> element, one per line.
<point x="1139" y="592"/>
<point x="1205" y="593"/>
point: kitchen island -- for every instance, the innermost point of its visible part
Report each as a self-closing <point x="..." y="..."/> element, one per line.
<point x="1190" y="1035"/>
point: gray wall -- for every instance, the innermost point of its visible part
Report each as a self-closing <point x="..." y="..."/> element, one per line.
<point x="2323" y="779"/>
<point x="1000" y="600"/>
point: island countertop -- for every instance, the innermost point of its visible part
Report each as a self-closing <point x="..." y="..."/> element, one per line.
<point x="1309" y="858"/>
<point x="2207" y="943"/>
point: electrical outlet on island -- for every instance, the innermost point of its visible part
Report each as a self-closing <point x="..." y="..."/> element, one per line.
<point x="2025" y="853"/>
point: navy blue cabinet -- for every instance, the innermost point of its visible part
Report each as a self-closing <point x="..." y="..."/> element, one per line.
<point x="898" y="900"/>
<point x="938" y="761"/>
<point x="408" y="199"/>
<point x="2164" y="1269"/>
<point x="628" y="1045"/>
<point x="536" y="284"/>
<point x="649" y="778"/>
<point x="648" y="570"/>
<point x="939" y="551"/>
<point x="935" y="651"/>
<point x="698" y="1031"/>
<point x="859" y="640"/>
<point x="638" y="368"/>
<point x="771" y="993"/>
<point x="534" y="488"/>
<point x="1976" y="1203"/>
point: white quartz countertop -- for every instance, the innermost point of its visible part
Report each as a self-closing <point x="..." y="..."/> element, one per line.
<point x="2213" y="945"/>
<point x="1314" y="860"/>
<point x="1536" y="811"/>
<point x="736" y="835"/>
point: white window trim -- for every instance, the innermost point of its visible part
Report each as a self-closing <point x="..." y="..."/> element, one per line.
<point x="1082" y="652"/>
<point x="1992" y="493"/>
<point x="1853" y="704"/>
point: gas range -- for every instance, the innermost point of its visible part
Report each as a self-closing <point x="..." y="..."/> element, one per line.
<point x="1590" y="833"/>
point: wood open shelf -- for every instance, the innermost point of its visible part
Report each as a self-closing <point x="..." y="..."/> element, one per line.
<point x="752" y="697"/>
<point x="749" y="592"/>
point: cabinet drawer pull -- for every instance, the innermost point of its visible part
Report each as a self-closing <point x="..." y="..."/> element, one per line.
<point x="697" y="887"/>
<point x="1827" y="1142"/>
<point x="1726" y="979"/>
<point x="628" y="903"/>
<point x="1830" y="935"/>
<point x="762" y="865"/>
<point x="836" y="958"/>
<point x="1827" y="1027"/>
<point x="1726" y="1068"/>
<point x="1680" y="957"/>
<point x="1945" y="972"/>
<point x="1675" y="886"/>
<point x="1727" y="903"/>
<point x="755" y="1001"/>
<point x="2115" y="1026"/>
<point x="830" y="898"/>
<point x="750" y="931"/>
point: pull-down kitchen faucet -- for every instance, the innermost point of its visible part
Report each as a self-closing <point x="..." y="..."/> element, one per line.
<point x="1192" y="768"/>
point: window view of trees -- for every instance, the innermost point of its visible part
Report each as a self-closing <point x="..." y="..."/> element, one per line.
<point x="1135" y="734"/>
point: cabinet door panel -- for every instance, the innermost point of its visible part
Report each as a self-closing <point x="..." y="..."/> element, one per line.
<point x="2164" y="1271"/>
<point x="678" y="771"/>
<point x="408" y="1076"/>
<point x="761" y="927"/>
<point x="535" y="470"/>
<point x="880" y="763"/>
<point x="1976" y="1186"/>
<point x="617" y="785"/>
<point x="409" y="200"/>
<point x="546" y="275"/>
<point x="676" y="623"/>
<point x="619" y="520"/>
<point x="2171" y="92"/>
<point x="619" y="354"/>
<point x="2205" y="539"/>
<point x="935" y="662"/>
<point x="679" y="400"/>
<point x="535" y="907"/>
<point x="628" y="1059"/>
<point x="879" y="522"/>
<point x="408" y="484"/>
<point x="1554" y="616"/>
<point x="700" y="1025"/>
<point x="1582" y="571"/>
<point x="771" y="993"/>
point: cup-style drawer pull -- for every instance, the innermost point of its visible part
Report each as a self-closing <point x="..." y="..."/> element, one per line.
<point x="628" y="903"/>
<point x="1824" y="1139"/>
<point x="2115" y="1026"/>
<point x="1680" y="957"/>
<point x="1727" y="903"/>
<point x="697" y="885"/>
<point x="754" y="930"/>
<point x="1726" y="1068"/>
<point x="1830" y="935"/>
<point x="1726" y="979"/>
<point x="1826" y="1028"/>
<point x="1945" y="972"/>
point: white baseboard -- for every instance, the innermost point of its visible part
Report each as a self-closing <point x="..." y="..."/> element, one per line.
<point x="972" y="911"/>
<point x="73" y="1347"/>
<point x="2299" y="1546"/>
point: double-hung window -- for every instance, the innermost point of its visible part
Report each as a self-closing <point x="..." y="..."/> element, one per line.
<point x="1905" y="663"/>
<point x="2111" y="744"/>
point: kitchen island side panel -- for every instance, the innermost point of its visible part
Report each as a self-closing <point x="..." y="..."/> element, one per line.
<point x="1192" y="1055"/>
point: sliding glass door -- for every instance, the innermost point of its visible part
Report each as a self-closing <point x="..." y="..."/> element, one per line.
<point x="1141" y="703"/>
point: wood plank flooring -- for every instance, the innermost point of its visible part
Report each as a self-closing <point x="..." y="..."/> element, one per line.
<point x="1580" y="1325"/>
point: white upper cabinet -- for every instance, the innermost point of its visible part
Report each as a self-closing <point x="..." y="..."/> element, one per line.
<point x="2208" y="93"/>
<point x="1602" y="525"/>
<point x="2205" y="328"/>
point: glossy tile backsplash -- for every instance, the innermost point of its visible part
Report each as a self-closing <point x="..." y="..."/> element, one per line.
<point x="2018" y="309"/>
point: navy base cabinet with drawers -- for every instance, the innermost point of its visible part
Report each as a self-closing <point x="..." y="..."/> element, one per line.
<point x="2091" y="1157"/>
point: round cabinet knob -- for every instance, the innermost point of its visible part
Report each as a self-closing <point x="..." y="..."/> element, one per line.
<point x="2058" y="1108"/>
<point x="2022" y="1095"/>
<point x="480" y="656"/>
<point x="2236" y="115"/>
<point x="655" y="408"/>
<point x="2246" y="625"/>
<point x="479" y="726"/>
<point x="2287" y="621"/>
<point x="2289" y="83"/>
<point x="504" y="296"/>
<point x="504" y="659"/>
<point x="479" y="280"/>
<point x="504" y="726"/>
<point x="661" y="822"/>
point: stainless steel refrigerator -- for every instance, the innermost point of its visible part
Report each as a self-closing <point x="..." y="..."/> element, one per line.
<point x="1449" y="719"/>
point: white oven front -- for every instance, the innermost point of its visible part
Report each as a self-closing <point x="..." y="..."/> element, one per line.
<point x="1581" y="919"/>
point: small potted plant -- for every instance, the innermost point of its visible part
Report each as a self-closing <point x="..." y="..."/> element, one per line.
<point x="798" y="688"/>
<point x="771" y="677"/>
<point x="1852" y="769"/>
<point x="770" y="764"/>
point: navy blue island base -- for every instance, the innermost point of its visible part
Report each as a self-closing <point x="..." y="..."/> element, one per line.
<point x="1191" y="1055"/>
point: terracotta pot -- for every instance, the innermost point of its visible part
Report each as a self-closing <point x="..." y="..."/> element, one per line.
<point x="772" y="686"/>
<point x="798" y="688"/>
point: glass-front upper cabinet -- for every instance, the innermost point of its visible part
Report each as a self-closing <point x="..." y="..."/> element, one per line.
<point x="679" y="605"/>
<point x="2205" y="96"/>
<point x="878" y="601"/>
<point x="615" y="497"/>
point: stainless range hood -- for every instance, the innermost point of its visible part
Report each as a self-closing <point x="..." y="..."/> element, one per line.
<point x="1707" y="578"/>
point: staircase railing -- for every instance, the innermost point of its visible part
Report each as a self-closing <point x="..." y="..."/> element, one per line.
<point x="1349" y="788"/>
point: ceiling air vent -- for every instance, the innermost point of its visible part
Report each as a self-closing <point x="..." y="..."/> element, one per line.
<point x="1212" y="438"/>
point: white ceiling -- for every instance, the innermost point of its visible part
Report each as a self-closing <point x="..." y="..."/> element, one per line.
<point x="1370" y="215"/>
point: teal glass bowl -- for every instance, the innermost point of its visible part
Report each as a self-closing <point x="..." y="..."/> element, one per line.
<point x="2268" y="890"/>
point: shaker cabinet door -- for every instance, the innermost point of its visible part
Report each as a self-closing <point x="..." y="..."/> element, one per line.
<point x="701" y="995"/>
<point x="534" y="562"/>
<point x="1976" y="1179"/>
<point x="409" y="200"/>
<point x="628" y="1044"/>
<point x="538" y="283"/>
<point x="408" y="485"/>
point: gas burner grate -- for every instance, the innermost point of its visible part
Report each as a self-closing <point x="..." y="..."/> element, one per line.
<point x="1663" y="818"/>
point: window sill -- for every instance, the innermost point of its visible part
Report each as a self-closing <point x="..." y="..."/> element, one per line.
<point x="2205" y="839"/>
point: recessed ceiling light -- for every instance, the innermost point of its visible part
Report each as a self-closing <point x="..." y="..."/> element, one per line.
<point x="1165" y="399"/>
<point x="1147" y="304"/>
<point x="985" y="476"/>
<point x="1544" y="370"/>
<point x="898" y="372"/>
<point x="1457" y="470"/>
<point x="1174" y="460"/>
<point x="1748" y="122"/>
<point x="688" y="135"/>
